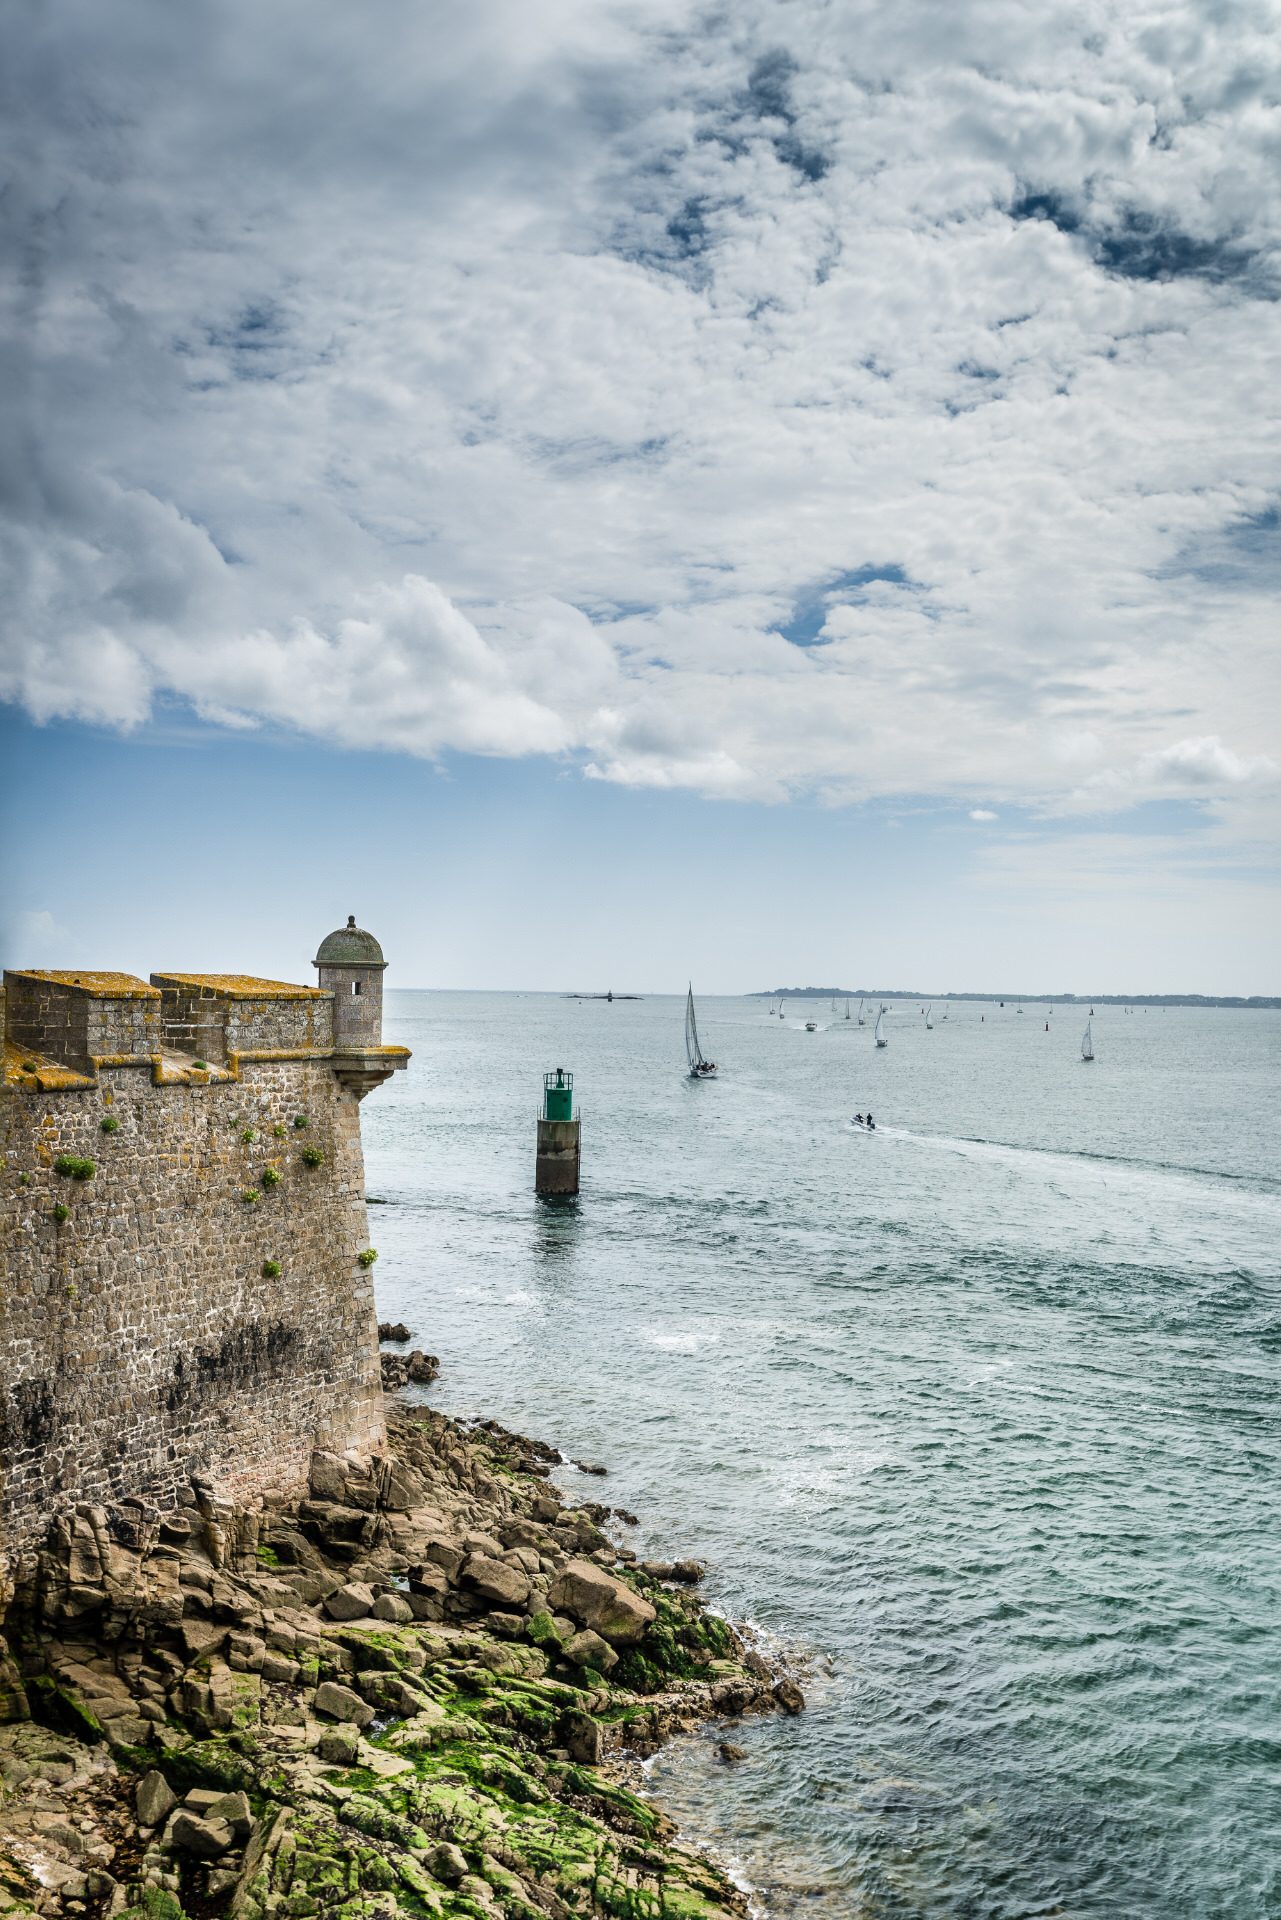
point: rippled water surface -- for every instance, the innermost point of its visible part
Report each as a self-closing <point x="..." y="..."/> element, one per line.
<point x="981" y="1412"/>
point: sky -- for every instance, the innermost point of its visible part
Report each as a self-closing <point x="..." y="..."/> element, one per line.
<point x="608" y="492"/>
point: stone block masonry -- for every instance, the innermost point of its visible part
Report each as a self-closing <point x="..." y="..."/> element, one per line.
<point x="183" y="1214"/>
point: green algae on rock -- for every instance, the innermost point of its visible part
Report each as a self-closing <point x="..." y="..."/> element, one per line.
<point x="405" y="1693"/>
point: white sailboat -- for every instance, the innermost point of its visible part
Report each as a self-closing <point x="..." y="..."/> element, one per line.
<point x="847" y="1009"/>
<point x="862" y="1022"/>
<point x="928" y="1021"/>
<point x="700" y="1068"/>
<point x="1087" y="1042"/>
<point x="881" y="1040"/>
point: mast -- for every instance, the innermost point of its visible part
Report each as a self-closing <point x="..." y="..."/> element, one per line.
<point x="693" y="1052"/>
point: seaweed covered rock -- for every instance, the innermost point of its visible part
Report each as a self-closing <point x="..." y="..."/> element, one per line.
<point x="409" y="1691"/>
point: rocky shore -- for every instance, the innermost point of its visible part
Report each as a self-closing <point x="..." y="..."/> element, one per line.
<point x="409" y="1692"/>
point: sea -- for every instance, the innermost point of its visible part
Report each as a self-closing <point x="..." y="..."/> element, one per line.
<point x="975" y="1420"/>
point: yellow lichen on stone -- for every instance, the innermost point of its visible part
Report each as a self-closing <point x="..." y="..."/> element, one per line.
<point x="48" y="1075"/>
<point x="240" y="986"/>
<point x="98" y="986"/>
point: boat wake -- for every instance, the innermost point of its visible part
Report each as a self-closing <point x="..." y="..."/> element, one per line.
<point x="1082" y="1159"/>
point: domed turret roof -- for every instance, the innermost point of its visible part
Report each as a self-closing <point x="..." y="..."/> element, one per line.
<point x="350" y="946"/>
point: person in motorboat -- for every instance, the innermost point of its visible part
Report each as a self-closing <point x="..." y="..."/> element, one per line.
<point x="871" y="1124"/>
<point x="858" y="1119"/>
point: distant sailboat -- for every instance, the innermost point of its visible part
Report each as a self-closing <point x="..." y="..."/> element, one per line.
<point x="928" y="1021"/>
<point x="847" y="1009"/>
<point x="700" y="1068"/>
<point x="862" y="1022"/>
<point x="881" y="1040"/>
<point x="1087" y="1042"/>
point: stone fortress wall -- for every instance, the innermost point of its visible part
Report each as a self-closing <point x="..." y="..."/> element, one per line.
<point x="183" y="1215"/>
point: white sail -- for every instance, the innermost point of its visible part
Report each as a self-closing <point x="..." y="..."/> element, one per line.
<point x="693" y="1052"/>
<point x="1087" y="1042"/>
<point x="881" y="1041"/>
<point x="861" y="1020"/>
<point x="928" y="1011"/>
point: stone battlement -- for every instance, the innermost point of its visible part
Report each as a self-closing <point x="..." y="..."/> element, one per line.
<point x="62" y="1028"/>
<point x="184" y="1236"/>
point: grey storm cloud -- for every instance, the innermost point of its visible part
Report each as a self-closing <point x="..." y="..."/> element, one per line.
<point x="762" y="402"/>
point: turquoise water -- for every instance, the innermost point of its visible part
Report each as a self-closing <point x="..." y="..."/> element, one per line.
<point x="979" y="1415"/>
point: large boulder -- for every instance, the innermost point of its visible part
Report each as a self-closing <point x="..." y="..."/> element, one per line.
<point x="340" y="1703"/>
<point x="597" y="1600"/>
<point x="496" y="1581"/>
<point x="588" y="1649"/>
<point x="353" y="1602"/>
<point x="190" y="1833"/>
<point x="154" y="1799"/>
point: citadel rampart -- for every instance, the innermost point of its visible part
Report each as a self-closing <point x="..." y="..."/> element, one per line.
<point x="183" y="1218"/>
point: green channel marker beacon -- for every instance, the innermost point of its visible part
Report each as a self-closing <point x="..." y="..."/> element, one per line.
<point x="556" y="1166"/>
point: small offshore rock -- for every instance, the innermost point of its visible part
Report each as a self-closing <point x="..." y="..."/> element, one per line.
<point x="394" y="1330"/>
<point x="423" y="1368"/>
<point x="789" y="1696"/>
<point x="588" y="1466"/>
<point x="729" y="1755"/>
<point x="154" y="1799"/>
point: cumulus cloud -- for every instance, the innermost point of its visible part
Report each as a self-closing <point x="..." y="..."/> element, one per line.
<point x="982" y="813"/>
<point x="760" y="404"/>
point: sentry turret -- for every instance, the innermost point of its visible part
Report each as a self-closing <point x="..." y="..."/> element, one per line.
<point x="351" y="966"/>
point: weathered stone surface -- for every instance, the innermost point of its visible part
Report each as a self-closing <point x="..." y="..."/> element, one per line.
<point x="597" y="1600"/>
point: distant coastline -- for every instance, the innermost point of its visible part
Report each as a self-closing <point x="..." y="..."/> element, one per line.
<point x="1023" y="999"/>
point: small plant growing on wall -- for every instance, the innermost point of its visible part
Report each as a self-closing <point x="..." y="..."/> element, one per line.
<point x="271" y="1269"/>
<point x="61" y="1213"/>
<point x="109" y="1124"/>
<point x="301" y="1122"/>
<point x="278" y="1131"/>
<point x="248" y="1135"/>
<point x="312" y="1157"/>
<point x="28" y="1066"/>
<point x="367" y="1258"/>
<point x="24" y="1179"/>
<point x="271" y="1177"/>
<point x="250" y="1196"/>
<point x="201" y="1066"/>
<point x="73" y="1292"/>
<point x="73" y="1168"/>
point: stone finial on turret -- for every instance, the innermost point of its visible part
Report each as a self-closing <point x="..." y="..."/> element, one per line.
<point x="351" y="966"/>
